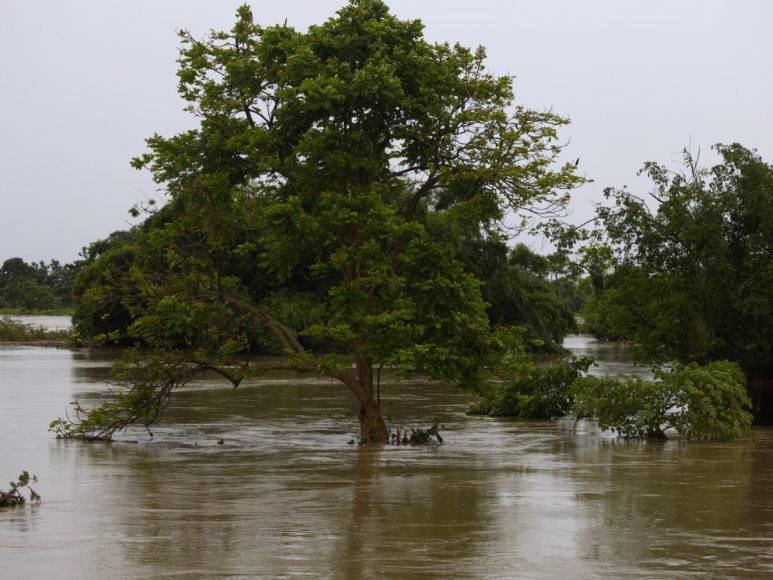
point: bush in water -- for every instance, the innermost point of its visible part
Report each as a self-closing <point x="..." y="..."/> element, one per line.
<point x="702" y="402"/>
<point x="529" y="391"/>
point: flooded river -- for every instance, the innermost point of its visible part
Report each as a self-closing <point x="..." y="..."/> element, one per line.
<point x="286" y="495"/>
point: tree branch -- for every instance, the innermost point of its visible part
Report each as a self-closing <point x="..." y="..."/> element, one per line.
<point x="421" y="192"/>
<point x="283" y="334"/>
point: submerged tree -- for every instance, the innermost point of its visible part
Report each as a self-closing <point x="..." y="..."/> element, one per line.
<point x="342" y="153"/>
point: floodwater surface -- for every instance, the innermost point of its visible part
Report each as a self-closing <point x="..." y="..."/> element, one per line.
<point x="287" y="495"/>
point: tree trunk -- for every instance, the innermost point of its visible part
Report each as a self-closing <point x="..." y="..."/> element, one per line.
<point x="373" y="429"/>
<point x="759" y="382"/>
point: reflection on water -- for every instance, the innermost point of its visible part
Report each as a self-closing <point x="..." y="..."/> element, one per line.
<point x="285" y="495"/>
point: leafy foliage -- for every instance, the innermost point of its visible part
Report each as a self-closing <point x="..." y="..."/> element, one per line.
<point x="671" y="289"/>
<point x="149" y="383"/>
<point x="530" y="391"/>
<point x="692" y="279"/>
<point x="702" y="402"/>
<point x="518" y="292"/>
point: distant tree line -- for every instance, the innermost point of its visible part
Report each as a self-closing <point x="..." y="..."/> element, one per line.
<point x="36" y="285"/>
<point x="48" y="286"/>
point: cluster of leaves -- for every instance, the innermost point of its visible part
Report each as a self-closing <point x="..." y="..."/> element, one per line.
<point x="701" y="402"/>
<point x="15" y="494"/>
<point x="532" y="391"/>
<point x="15" y="331"/>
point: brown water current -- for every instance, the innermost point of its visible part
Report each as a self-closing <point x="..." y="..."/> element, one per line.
<point x="286" y="495"/>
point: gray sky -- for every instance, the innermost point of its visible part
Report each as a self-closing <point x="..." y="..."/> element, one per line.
<point x="84" y="82"/>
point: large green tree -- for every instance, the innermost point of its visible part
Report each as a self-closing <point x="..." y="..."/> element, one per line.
<point x="693" y="267"/>
<point x="335" y="158"/>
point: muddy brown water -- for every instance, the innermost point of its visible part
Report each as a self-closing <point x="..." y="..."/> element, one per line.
<point x="285" y="495"/>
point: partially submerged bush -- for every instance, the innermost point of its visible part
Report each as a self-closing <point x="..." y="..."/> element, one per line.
<point x="703" y="402"/>
<point x="15" y="495"/>
<point x="529" y="391"/>
<point x="416" y="435"/>
<point x="407" y="435"/>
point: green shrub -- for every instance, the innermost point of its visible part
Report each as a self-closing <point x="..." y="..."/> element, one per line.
<point x="703" y="402"/>
<point x="531" y="391"/>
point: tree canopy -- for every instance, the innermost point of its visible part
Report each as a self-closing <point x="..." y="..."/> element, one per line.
<point x="325" y="189"/>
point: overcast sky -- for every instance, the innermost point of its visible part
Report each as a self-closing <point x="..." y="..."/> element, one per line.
<point x="84" y="82"/>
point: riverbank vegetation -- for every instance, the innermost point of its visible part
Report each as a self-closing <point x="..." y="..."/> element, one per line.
<point x="36" y="288"/>
<point x="523" y="385"/>
<point x="49" y="288"/>
<point x="694" y="401"/>
<point x="699" y="402"/>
